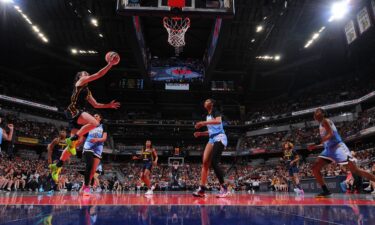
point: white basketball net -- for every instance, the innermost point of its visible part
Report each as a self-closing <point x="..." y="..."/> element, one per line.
<point x="176" y="28"/>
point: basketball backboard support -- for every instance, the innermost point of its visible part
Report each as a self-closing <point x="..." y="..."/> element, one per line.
<point x="193" y="8"/>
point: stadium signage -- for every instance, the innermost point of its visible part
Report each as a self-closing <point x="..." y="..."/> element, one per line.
<point x="28" y="140"/>
<point x="25" y="102"/>
<point x="177" y="86"/>
<point x="336" y="105"/>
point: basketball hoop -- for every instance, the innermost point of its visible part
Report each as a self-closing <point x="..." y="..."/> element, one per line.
<point x="176" y="28"/>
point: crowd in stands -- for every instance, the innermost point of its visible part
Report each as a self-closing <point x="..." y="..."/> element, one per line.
<point x="25" y="174"/>
<point x="307" y="134"/>
<point x="318" y="95"/>
<point x="43" y="131"/>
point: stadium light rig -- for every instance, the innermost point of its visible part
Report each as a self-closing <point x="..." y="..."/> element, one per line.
<point x="314" y="37"/>
<point x="269" y="58"/>
<point x="75" y="51"/>
<point x="34" y="27"/>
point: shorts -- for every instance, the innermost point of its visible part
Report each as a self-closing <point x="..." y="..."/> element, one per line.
<point x="293" y="170"/>
<point x="339" y="154"/>
<point x="147" y="166"/>
<point x="56" y="155"/>
<point x="73" y="120"/>
<point x="219" y="138"/>
<point x="96" y="150"/>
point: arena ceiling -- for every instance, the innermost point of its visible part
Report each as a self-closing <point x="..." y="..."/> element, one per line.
<point x="287" y="25"/>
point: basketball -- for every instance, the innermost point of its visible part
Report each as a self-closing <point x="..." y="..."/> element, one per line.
<point x="112" y="58"/>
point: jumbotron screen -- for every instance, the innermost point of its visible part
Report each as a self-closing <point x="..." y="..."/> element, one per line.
<point x="174" y="69"/>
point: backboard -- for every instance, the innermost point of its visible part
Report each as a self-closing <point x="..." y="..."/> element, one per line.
<point x="192" y="8"/>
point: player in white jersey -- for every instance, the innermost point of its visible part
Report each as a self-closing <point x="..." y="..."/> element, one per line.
<point x="214" y="148"/>
<point x="335" y="150"/>
<point x="92" y="151"/>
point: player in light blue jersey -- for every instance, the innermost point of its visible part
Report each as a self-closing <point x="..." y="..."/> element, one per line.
<point x="214" y="148"/>
<point x="92" y="151"/>
<point x="4" y="135"/>
<point x="335" y="150"/>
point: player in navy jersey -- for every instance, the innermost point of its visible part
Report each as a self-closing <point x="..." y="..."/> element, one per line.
<point x="81" y="122"/>
<point x="92" y="151"/>
<point x="149" y="157"/>
<point x="291" y="160"/>
<point x="56" y="147"/>
<point x="4" y="135"/>
<point x="335" y="150"/>
<point x="214" y="148"/>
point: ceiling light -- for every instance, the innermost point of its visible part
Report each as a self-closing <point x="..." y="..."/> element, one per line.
<point x="322" y="29"/>
<point x="94" y="22"/>
<point x="7" y="1"/>
<point x="259" y="28"/>
<point x="277" y="57"/>
<point x="74" y="51"/>
<point x="339" y="10"/>
<point x="252" y="40"/>
<point x="101" y="35"/>
<point x="315" y="36"/>
<point x="36" y="29"/>
<point x="45" y="39"/>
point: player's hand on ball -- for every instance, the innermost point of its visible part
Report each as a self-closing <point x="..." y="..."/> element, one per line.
<point x="114" y="105"/>
<point x="198" y="125"/>
<point x="197" y="134"/>
<point x="10" y="126"/>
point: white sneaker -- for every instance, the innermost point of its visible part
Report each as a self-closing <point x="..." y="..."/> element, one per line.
<point x="373" y="192"/>
<point x="223" y="193"/>
<point x="367" y="189"/>
<point x="149" y="192"/>
<point x="296" y="190"/>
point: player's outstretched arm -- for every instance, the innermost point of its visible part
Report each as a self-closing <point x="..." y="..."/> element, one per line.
<point x="86" y="79"/>
<point x="112" y="105"/>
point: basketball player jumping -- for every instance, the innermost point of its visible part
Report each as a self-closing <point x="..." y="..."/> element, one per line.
<point x="81" y="122"/>
<point x="335" y="150"/>
<point x="214" y="148"/>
